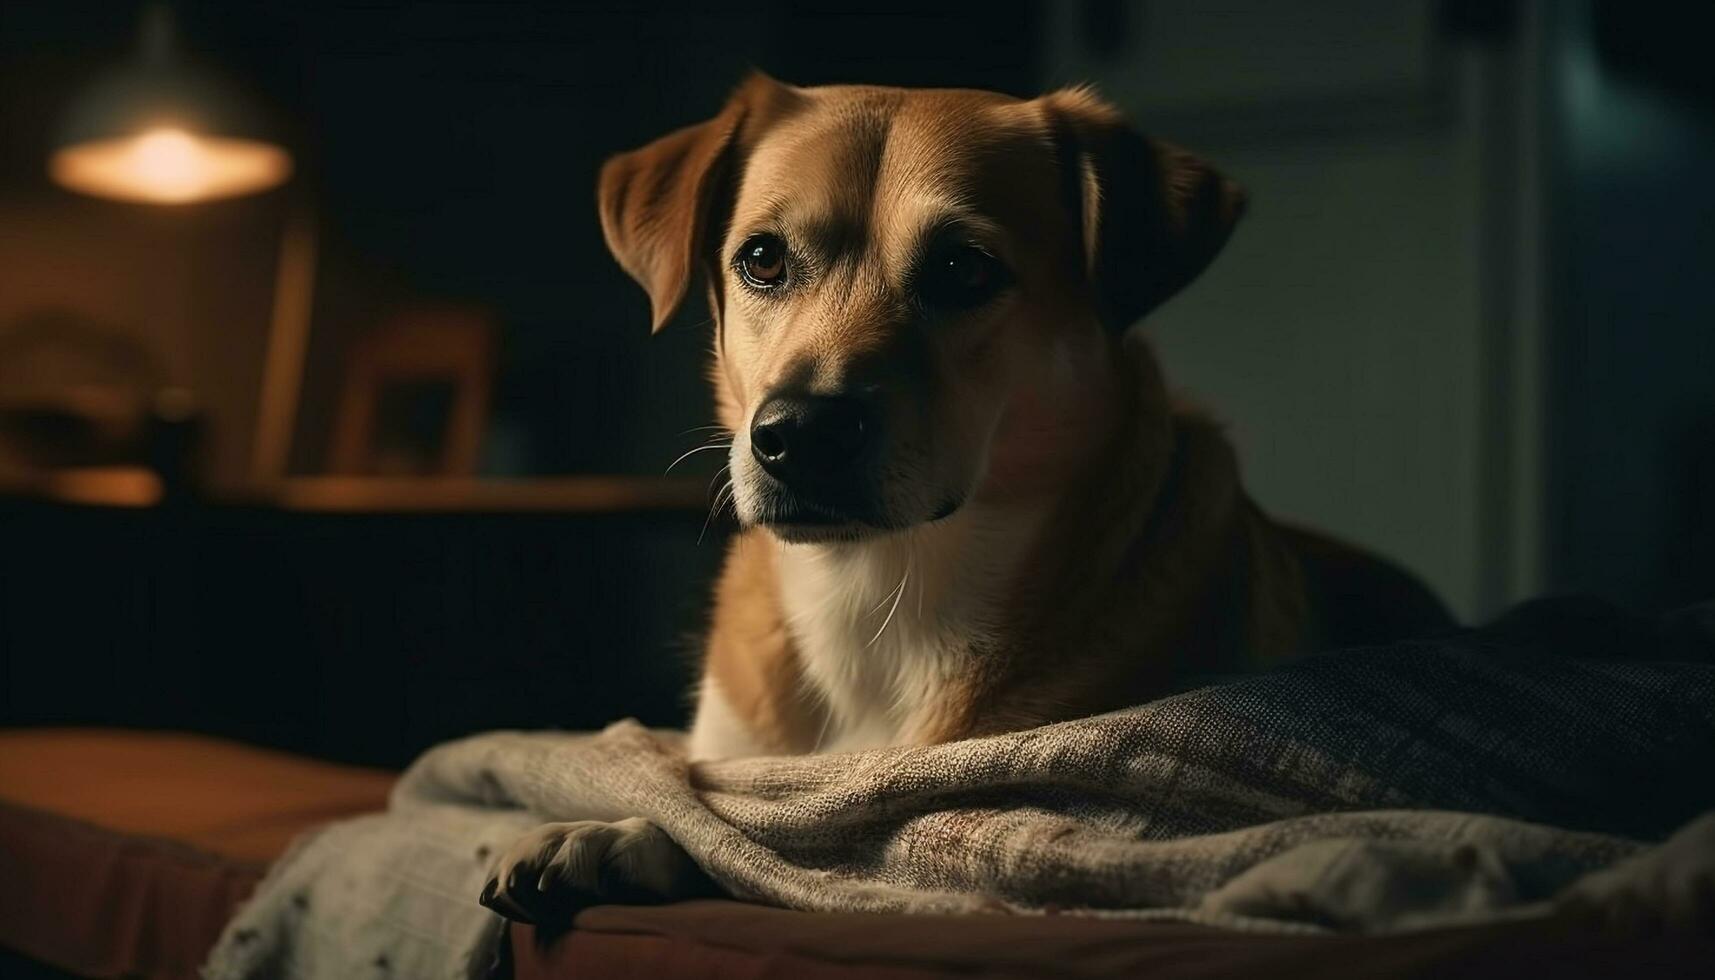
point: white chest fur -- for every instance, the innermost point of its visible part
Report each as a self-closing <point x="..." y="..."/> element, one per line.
<point x="881" y="626"/>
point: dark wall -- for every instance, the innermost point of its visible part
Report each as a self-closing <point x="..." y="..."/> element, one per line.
<point x="1632" y="400"/>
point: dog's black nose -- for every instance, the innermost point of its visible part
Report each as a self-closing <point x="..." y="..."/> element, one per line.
<point x="806" y="437"/>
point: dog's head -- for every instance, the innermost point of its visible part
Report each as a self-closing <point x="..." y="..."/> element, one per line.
<point x="916" y="293"/>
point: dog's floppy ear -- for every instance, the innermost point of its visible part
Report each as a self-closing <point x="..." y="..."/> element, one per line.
<point x="1151" y="215"/>
<point x="659" y="203"/>
<point x="655" y="204"/>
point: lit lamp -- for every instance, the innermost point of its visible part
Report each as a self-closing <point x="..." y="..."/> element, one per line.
<point x="160" y="132"/>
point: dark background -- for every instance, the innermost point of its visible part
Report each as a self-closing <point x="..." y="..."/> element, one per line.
<point x="1550" y="428"/>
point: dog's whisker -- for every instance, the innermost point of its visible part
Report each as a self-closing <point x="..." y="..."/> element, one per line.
<point x="921" y="580"/>
<point x="877" y="607"/>
<point x="705" y="428"/>
<point x="884" y="599"/>
<point x="898" y="593"/>
<point x="714" y="511"/>
<point x="693" y="452"/>
<point x="707" y="520"/>
<point x="714" y="508"/>
<point x="731" y="498"/>
<point x="725" y="469"/>
<point x="827" y="720"/>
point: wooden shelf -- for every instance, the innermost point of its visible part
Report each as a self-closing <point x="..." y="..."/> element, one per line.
<point x="138" y="487"/>
<point x="565" y="494"/>
<point x="94" y="486"/>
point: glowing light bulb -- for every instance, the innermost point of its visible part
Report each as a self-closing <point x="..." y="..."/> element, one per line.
<point x="168" y="165"/>
<point x="168" y="160"/>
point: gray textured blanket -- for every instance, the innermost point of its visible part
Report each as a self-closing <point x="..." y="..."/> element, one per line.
<point x="1430" y="783"/>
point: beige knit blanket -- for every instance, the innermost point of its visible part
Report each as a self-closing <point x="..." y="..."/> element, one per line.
<point x="1377" y="791"/>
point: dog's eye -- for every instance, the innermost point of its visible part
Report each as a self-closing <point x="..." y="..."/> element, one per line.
<point x="762" y="261"/>
<point x="959" y="277"/>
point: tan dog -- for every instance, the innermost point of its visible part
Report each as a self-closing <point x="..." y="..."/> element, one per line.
<point x="969" y="503"/>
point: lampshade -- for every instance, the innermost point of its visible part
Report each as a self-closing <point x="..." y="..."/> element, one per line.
<point x="163" y="132"/>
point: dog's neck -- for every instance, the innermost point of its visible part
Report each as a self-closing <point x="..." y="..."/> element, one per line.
<point x="883" y="625"/>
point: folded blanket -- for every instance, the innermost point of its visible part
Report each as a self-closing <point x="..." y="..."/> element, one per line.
<point x="1472" y="777"/>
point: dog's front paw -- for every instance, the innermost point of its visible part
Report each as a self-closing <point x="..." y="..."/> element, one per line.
<point x="558" y="868"/>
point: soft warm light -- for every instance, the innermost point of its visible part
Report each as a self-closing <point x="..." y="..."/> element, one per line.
<point x="170" y="166"/>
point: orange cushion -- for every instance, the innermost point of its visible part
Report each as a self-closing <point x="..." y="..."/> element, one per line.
<point x="227" y="798"/>
<point x="124" y="853"/>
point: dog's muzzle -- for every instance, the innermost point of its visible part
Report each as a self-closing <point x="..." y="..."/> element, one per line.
<point x="817" y="450"/>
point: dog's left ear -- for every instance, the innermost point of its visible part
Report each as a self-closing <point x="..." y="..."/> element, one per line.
<point x="1151" y="215"/>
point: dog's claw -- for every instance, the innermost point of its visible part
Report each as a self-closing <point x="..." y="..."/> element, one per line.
<point x="497" y="901"/>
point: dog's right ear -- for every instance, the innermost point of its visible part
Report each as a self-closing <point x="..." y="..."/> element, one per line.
<point x="655" y="204"/>
<point x="658" y="203"/>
